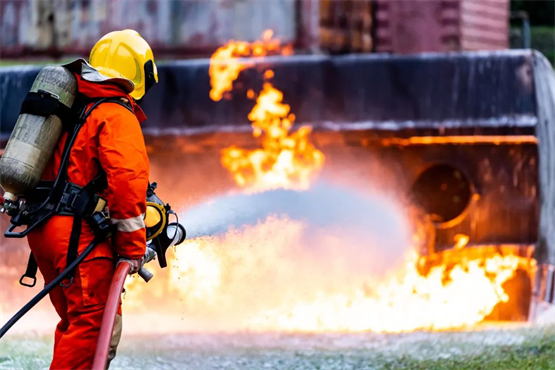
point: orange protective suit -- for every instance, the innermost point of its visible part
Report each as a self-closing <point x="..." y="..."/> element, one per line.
<point x="111" y="140"/>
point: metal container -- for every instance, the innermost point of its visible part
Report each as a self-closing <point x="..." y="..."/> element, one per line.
<point x="34" y="137"/>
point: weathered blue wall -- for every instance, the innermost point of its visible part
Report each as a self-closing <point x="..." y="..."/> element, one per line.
<point x="476" y="92"/>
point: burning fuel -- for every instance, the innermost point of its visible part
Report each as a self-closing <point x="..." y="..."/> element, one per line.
<point x="323" y="260"/>
<point x="291" y="254"/>
<point x="225" y="64"/>
<point x="287" y="160"/>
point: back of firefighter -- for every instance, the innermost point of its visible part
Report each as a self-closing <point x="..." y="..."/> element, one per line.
<point x="121" y="66"/>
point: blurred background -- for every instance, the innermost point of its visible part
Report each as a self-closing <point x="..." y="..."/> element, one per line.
<point x="54" y="29"/>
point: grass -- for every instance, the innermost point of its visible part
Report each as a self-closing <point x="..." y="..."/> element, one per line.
<point x="491" y="348"/>
<point x="531" y="355"/>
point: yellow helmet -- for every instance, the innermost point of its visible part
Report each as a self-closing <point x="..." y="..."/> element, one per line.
<point x="125" y="54"/>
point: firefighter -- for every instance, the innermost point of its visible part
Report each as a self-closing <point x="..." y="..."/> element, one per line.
<point x="121" y="66"/>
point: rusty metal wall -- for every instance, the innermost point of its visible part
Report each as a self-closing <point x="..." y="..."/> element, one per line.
<point x="196" y="27"/>
<point x="406" y="26"/>
<point x="484" y="24"/>
<point x="345" y="26"/>
<point x="410" y="27"/>
<point x="60" y="27"/>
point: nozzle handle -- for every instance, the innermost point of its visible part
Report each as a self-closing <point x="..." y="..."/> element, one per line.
<point x="145" y="274"/>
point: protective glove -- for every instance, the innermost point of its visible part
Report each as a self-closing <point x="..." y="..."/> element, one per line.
<point x="135" y="264"/>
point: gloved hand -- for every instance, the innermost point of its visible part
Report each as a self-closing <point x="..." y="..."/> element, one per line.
<point x="135" y="264"/>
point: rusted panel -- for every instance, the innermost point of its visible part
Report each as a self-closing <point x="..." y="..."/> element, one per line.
<point x="171" y="26"/>
<point x="382" y="26"/>
<point x="346" y="25"/>
<point x="307" y="24"/>
<point x="450" y="25"/>
<point x="484" y="24"/>
<point x="411" y="27"/>
<point x="417" y="26"/>
<point x="26" y="25"/>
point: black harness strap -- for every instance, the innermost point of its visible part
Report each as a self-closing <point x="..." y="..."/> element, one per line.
<point x="81" y="204"/>
<point x="72" y="250"/>
<point x="30" y="272"/>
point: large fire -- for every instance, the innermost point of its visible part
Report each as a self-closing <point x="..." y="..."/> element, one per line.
<point x="281" y="274"/>
<point x="445" y="298"/>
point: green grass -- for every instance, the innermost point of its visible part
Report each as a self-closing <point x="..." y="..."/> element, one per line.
<point x="531" y="355"/>
<point x="487" y="349"/>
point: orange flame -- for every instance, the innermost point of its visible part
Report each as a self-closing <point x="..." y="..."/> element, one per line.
<point x="264" y="278"/>
<point x="286" y="160"/>
<point x="406" y="302"/>
<point x="225" y="65"/>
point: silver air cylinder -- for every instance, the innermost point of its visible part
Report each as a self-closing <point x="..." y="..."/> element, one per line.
<point x="34" y="138"/>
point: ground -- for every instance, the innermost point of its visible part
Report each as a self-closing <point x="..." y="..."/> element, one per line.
<point x="488" y="348"/>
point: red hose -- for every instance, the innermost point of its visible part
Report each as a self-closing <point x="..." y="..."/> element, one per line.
<point x="109" y="317"/>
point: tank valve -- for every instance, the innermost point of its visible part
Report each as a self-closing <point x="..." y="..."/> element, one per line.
<point x="9" y="207"/>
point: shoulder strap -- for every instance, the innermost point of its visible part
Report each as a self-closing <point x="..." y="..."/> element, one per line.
<point x="61" y="179"/>
<point x="121" y="102"/>
<point x="86" y="194"/>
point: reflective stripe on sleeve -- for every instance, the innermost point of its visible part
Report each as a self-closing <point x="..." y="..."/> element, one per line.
<point x="130" y="224"/>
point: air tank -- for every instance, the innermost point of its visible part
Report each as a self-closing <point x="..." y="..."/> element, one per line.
<point x="34" y="138"/>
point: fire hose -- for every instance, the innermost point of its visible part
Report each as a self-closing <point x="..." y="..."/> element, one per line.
<point x="113" y="300"/>
<point x="109" y="317"/>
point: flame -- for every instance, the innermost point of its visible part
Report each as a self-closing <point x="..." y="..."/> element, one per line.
<point x="225" y="65"/>
<point x="461" y="241"/>
<point x="286" y="160"/>
<point x="407" y="302"/>
<point x="265" y="277"/>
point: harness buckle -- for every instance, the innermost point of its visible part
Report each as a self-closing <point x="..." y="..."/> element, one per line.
<point x="69" y="198"/>
<point x="29" y="285"/>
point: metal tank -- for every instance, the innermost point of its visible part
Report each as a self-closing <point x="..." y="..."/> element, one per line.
<point x="34" y="137"/>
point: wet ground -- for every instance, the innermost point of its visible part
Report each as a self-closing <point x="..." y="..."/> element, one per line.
<point x="491" y="347"/>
